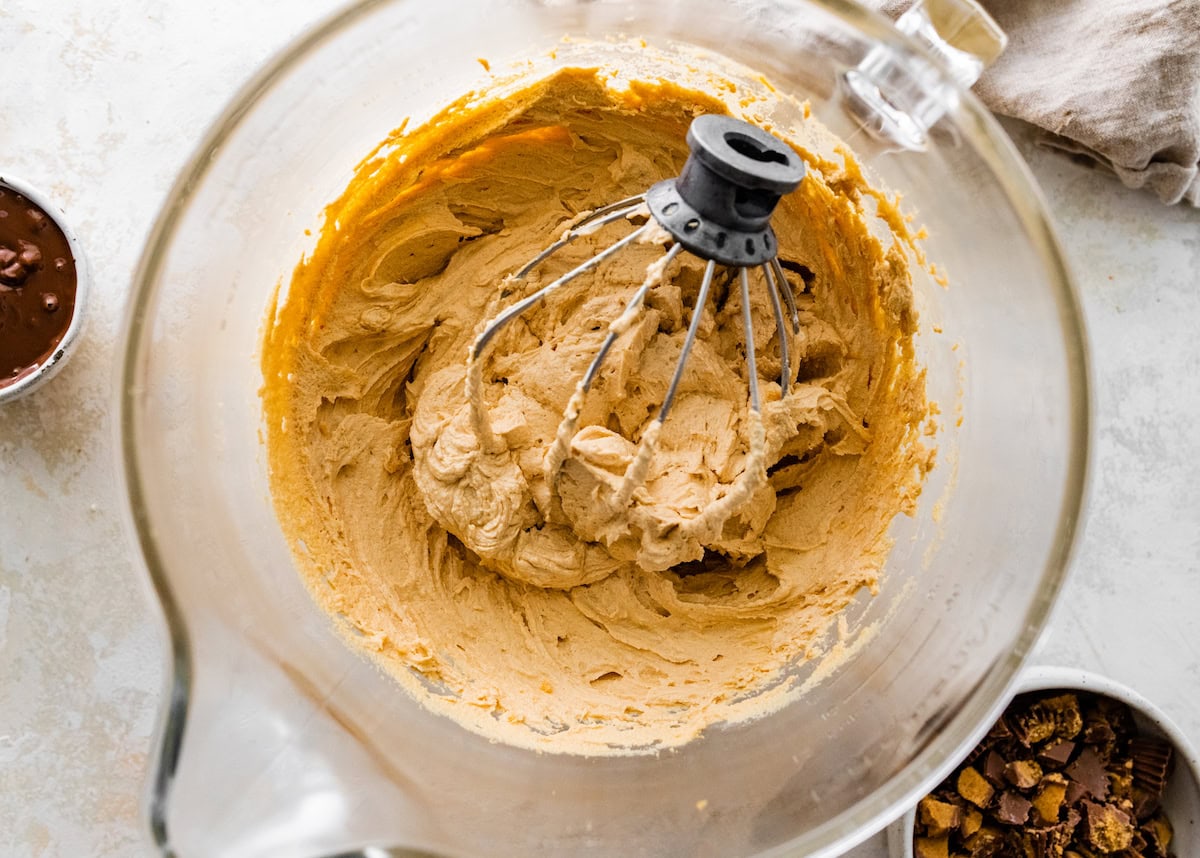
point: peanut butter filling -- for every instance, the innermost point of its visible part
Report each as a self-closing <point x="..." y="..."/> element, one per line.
<point x="547" y="615"/>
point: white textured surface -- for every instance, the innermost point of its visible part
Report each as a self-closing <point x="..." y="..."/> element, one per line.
<point x="103" y="101"/>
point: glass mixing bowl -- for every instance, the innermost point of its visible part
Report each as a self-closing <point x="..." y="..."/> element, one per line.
<point x="278" y="740"/>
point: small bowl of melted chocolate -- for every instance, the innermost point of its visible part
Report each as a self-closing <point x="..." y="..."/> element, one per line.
<point x="43" y="287"/>
<point x="1077" y="766"/>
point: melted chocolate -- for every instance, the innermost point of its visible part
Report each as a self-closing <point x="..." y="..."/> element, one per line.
<point x="37" y="286"/>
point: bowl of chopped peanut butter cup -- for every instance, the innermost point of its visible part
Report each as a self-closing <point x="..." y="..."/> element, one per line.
<point x="1077" y="766"/>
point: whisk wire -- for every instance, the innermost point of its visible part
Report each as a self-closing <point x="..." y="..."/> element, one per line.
<point x="689" y="341"/>
<point x="785" y="373"/>
<point x="748" y="330"/>
<point x="788" y="296"/>
<point x="598" y="218"/>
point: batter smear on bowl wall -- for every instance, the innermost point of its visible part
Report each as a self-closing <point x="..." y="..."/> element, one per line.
<point x="542" y="618"/>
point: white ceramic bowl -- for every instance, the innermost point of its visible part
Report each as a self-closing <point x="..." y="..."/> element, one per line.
<point x="71" y="338"/>
<point x="1181" y="800"/>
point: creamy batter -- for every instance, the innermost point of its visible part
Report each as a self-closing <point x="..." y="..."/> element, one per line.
<point x="544" y="614"/>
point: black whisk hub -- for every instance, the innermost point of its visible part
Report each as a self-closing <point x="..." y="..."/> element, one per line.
<point x="719" y="207"/>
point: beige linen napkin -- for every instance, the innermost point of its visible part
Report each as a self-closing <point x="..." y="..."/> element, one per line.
<point x="1114" y="81"/>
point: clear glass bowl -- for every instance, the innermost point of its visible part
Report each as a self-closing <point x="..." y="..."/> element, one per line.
<point x="279" y="740"/>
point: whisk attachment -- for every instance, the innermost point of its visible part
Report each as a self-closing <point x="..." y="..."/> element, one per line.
<point x="718" y="208"/>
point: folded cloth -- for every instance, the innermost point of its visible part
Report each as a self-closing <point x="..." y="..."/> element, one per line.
<point x="1114" y="81"/>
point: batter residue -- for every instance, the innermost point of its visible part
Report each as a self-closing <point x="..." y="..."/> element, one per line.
<point x="540" y="617"/>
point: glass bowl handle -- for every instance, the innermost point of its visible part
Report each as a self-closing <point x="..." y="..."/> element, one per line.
<point x="898" y="99"/>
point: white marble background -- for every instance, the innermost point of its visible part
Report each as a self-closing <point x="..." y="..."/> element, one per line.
<point x="100" y="103"/>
